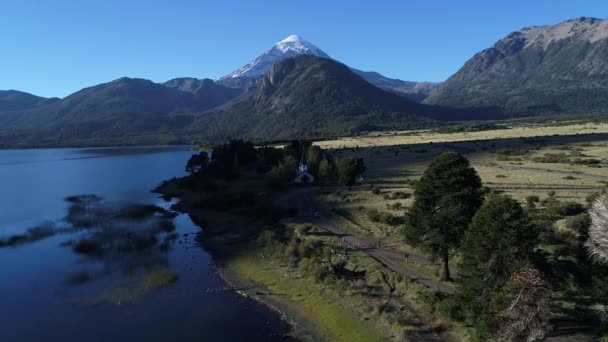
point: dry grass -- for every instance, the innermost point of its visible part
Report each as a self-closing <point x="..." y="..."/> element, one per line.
<point x="375" y="139"/>
<point x="505" y="165"/>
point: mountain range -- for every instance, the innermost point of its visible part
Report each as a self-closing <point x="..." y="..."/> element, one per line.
<point x="539" y="69"/>
<point x="296" y="90"/>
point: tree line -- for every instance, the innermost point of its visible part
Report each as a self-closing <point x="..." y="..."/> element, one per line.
<point x="278" y="165"/>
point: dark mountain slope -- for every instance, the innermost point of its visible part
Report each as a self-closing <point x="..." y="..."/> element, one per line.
<point x="308" y="96"/>
<point x="14" y="100"/>
<point x="121" y="108"/>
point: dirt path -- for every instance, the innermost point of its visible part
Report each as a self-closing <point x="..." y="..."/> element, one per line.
<point x="387" y="256"/>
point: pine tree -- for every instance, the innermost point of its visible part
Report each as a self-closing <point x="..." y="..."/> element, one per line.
<point x="348" y="168"/>
<point x="499" y="242"/>
<point x="326" y="171"/>
<point x="445" y="199"/>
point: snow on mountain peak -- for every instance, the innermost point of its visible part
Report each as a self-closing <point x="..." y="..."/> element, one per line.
<point x="296" y="44"/>
<point x="291" y="46"/>
<point x="292" y="39"/>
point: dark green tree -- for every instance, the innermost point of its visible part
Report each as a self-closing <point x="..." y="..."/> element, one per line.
<point x="327" y="172"/>
<point x="314" y="155"/>
<point x="348" y="169"/>
<point x="500" y="241"/>
<point x="282" y="174"/>
<point x="445" y="199"/>
<point x="197" y="162"/>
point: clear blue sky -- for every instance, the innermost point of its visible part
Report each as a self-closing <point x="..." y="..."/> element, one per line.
<point x="53" y="48"/>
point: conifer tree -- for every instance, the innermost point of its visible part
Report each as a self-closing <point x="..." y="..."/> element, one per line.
<point x="445" y="199"/>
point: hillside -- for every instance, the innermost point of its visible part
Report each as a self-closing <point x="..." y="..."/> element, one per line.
<point x="14" y="100"/>
<point x="121" y="108"/>
<point x="416" y="91"/>
<point x="553" y="68"/>
<point x="308" y="96"/>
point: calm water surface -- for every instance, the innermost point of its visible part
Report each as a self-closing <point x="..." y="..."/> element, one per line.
<point x="38" y="303"/>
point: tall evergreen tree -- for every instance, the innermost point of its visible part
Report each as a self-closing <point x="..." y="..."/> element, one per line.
<point x="326" y="171"/>
<point x="314" y="155"/>
<point x="445" y="199"/>
<point x="499" y="242"/>
<point x="348" y="169"/>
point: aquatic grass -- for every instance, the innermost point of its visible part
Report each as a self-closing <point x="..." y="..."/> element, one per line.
<point x="79" y="278"/>
<point x="129" y="289"/>
<point x="34" y="234"/>
<point x="158" y="278"/>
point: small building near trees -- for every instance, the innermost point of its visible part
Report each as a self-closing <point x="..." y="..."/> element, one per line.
<point x="303" y="176"/>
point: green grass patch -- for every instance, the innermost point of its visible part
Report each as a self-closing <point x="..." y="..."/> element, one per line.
<point x="336" y="321"/>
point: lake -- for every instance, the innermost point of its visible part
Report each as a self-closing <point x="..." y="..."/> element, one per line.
<point x="50" y="292"/>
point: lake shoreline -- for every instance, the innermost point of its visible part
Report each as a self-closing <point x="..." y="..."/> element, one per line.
<point x="212" y="225"/>
<point x="301" y="328"/>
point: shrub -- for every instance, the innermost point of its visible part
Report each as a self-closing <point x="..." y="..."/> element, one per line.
<point x="532" y="200"/>
<point x="552" y="158"/>
<point x="383" y="217"/>
<point x="570" y="208"/>
<point x="394" y="206"/>
<point x="400" y="195"/>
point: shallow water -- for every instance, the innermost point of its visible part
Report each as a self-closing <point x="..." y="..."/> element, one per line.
<point x="37" y="300"/>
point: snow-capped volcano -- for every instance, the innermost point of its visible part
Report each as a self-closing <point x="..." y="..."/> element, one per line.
<point x="288" y="47"/>
<point x="294" y="45"/>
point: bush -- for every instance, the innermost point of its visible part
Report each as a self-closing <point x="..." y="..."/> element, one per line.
<point x="552" y="158"/>
<point x="452" y="308"/>
<point x="383" y="217"/>
<point x="266" y="241"/>
<point x="569" y="209"/>
<point x="532" y="200"/>
<point x="400" y="195"/>
<point x="394" y="206"/>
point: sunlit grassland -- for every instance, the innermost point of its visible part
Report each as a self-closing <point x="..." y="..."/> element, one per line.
<point x="514" y="130"/>
<point x="512" y="166"/>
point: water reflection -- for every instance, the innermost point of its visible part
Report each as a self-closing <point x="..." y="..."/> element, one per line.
<point x="110" y="266"/>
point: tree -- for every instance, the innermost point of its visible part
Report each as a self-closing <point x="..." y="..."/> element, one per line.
<point x="597" y="247"/>
<point x="499" y="242"/>
<point x="532" y="201"/>
<point x="445" y="199"/>
<point x="327" y="171"/>
<point x="314" y="155"/>
<point x="597" y="243"/>
<point x="197" y="162"/>
<point x="527" y="316"/>
<point x="282" y="174"/>
<point x="348" y="169"/>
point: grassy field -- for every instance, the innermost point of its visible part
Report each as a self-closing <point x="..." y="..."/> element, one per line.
<point x="506" y="131"/>
<point x="572" y="166"/>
